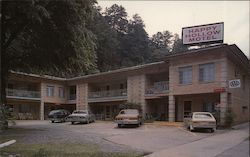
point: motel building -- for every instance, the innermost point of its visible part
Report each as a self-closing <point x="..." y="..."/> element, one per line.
<point x="213" y="79"/>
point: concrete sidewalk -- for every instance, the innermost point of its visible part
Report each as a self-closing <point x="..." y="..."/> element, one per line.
<point x="208" y="147"/>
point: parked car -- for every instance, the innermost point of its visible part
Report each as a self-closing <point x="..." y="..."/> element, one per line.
<point x="201" y="120"/>
<point x="128" y="116"/>
<point x="58" y="115"/>
<point x="82" y="116"/>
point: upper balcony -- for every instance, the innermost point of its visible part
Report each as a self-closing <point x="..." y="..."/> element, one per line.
<point x="157" y="89"/>
<point x="23" y="94"/>
<point x="108" y="95"/>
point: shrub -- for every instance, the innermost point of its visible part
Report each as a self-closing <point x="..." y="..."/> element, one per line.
<point x="130" y="105"/>
<point x="5" y="117"/>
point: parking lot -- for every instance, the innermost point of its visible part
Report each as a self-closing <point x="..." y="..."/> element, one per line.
<point x="147" y="138"/>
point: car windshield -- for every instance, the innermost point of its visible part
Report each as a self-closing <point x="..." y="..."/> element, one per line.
<point x="55" y="112"/>
<point x="80" y="112"/>
<point x="129" y="112"/>
<point x="202" y="116"/>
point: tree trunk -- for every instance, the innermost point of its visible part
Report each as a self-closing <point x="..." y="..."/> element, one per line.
<point x="3" y="72"/>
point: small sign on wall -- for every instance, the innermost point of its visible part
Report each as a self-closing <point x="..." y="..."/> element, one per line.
<point x="234" y="83"/>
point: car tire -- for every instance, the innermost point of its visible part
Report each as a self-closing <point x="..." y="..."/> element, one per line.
<point x="72" y="123"/>
<point x="191" y="128"/>
<point x="119" y="125"/>
<point x="139" y="124"/>
<point x="52" y="121"/>
<point x="211" y="130"/>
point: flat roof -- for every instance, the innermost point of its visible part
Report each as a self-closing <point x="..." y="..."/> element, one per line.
<point x="240" y="56"/>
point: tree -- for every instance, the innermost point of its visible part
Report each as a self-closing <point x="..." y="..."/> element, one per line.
<point x="116" y="16"/>
<point x="48" y="37"/>
<point x="160" y="45"/>
<point x="178" y="45"/>
<point x="135" y="44"/>
<point x="131" y="38"/>
<point x="162" y="40"/>
<point x="107" y="42"/>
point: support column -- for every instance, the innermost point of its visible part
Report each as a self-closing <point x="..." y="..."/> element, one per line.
<point x="136" y="91"/>
<point x="171" y="108"/>
<point x="223" y="107"/>
<point x="223" y="95"/>
<point x="82" y="96"/>
<point x="42" y="110"/>
<point x="43" y="95"/>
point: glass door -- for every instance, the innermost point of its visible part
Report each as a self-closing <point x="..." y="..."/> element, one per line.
<point x="187" y="109"/>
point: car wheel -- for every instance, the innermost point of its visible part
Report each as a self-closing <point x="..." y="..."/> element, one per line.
<point x="191" y="128"/>
<point x="119" y="125"/>
<point x="139" y="124"/>
<point x="211" y="130"/>
<point x="72" y="122"/>
<point x="52" y="121"/>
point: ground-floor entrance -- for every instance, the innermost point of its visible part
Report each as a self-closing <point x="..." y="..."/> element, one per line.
<point x="24" y="109"/>
<point x="105" y="110"/>
<point x="186" y="104"/>
<point x="157" y="109"/>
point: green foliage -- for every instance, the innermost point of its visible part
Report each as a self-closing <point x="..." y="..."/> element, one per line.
<point x="61" y="150"/>
<point x="5" y="117"/>
<point x="178" y="45"/>
<point x="120" y="42"/>
<point x="130" y="105"/>
<point x="116" y="17"/>
<point x="162" y="40"/>
<point x="164" y="43"/>
<point x="39" y="38"/>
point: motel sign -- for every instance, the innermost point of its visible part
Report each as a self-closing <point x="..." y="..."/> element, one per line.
<point x="210" y="33"/>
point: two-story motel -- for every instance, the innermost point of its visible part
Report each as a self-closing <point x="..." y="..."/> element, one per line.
<point x="195" y="80"/>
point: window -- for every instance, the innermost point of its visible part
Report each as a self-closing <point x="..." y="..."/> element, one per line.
<point x="50" y="91"/>
<point x="107" y="87"/>
<point x="209" y="107"/>
<point x="206" y="72"/>
<point x="121" y="86"/>
<point x="72" y="93"/>
<point x="24" y="108"/>
<point x="185" y="75"/>
<point x="61" y="92"/>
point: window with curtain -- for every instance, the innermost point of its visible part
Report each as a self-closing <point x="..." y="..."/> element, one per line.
<point x="206" y="72"/>
<point x="185" y="75"/>
<point x="61" y="92"/>
<point x="50" y="91"/>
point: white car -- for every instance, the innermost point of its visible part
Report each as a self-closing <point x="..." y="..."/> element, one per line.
<point x="201" y="120"/>
<point x="82" y="116"/>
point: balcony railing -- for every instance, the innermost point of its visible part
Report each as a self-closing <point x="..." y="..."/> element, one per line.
<point x="72" y="97"/>
<point x="158" y="88"/>
<point x="110" y="93"/>
<point x="22" y="93"/>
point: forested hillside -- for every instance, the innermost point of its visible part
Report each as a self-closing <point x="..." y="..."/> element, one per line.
<point x="73" y="37"/>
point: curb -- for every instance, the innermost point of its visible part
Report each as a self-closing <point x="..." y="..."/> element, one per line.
<point x="7" y="143"/>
